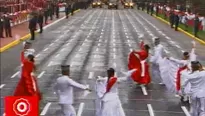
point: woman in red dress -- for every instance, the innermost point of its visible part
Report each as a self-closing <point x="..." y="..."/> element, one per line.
<point x="27" y="85"/>
<point x="137" y="60"/>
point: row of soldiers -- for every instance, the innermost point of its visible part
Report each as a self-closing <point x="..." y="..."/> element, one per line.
<point x="5" y="26"/>
<point x="41" y="17"/>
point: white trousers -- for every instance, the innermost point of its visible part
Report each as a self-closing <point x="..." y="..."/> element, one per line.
<point x="197" y="107"/>
<point x="67" y="110"/>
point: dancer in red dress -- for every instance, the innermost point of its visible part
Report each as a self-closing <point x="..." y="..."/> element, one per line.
<point x="27" y="85"/>
<point x="137" y="60"/>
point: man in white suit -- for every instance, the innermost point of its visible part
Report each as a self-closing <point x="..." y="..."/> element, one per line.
<point x="64" y="90"/>
<point x="197" y="92"/>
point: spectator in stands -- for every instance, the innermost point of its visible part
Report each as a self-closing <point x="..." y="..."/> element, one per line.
<point x="7" y="25"/>
<point x="196" y="25"/>
<point x="1" y="26"/>
<point x="40" y="21"/>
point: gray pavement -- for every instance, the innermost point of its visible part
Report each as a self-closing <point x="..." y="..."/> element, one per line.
<point x="91" y="41"/>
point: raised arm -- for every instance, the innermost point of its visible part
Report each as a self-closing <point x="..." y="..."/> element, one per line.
<point x="180" y="62"/>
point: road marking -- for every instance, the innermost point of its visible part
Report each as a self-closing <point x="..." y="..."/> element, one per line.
<point x="185" y="111"/>
<point x="45" y="109"/>
<point x="14" y="75"/>
<point x="50" y="63"/>
<point x="127" y="36"/>
<point x="51" y="44"/>
<point x="97" y="50"/>
<point x="2" y="85"/>
<point x="38" y="55"/>
<point x="57" y="55"/>
<point x="62" y="50"/>
<point x="144" y="91"/>
<point x="178" y="46"/>
<point x="45" y="49"/>
<point x="91" y="74"/>
<point x="114" y="56"/>
<point x="114" y="64"/>
<point x="131" y="50"/>
<point x="80" y="110"/>
<point x="150" y="109"/>
<point x="41" y="74"/>
<point x="93" y="64"/>
<point x="129" y="45"/>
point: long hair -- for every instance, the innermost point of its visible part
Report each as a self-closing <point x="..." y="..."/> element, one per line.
<point x="110" y="73"/>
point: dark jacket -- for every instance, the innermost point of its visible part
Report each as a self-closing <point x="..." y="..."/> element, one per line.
<point x="40" y="18"/>
<point x="32" y="23"/>
<point x="7" y="21"/>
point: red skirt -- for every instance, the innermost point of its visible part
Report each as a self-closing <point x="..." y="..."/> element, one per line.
<point x="22" y="88"/>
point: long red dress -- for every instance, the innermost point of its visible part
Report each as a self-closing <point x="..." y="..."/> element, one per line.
<point x="142" y="75"/>
<point x="27" y="85"/>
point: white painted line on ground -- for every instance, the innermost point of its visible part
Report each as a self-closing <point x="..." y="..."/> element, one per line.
<point x="53" y="23"/>
<point x="15" y="74"/>
<point x="129" y="45"/>
<point x="127" y="36"/>
<point x="114" y="50"/>
<point x="93" y="64"/>
<point x="62" y="50"/>
<point x="185" y="111"/>
<point x="51" y="44"/>
<point x="38" y="55"/>
<point x="178" y="46"/>
<point x="45" y="109"/>
<point x="91" y="74"/>
<point x="2" y="85"/>
<point x="114" y="64"/>
<point x="131" y="50"/>
<point x="80" y="110"/>
<point x="144" y="91"/>
<point x="150" y="109"/>
<point x="41" y="74"/>
<point x="57" y="55"/>
<point x="114" y="56"/>
<point x="45" y="49"/>
<point x="50" y="63"/>
<point x="128" y="41"/>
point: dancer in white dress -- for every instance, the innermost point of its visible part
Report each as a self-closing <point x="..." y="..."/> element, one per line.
<point x="111" y="105"/>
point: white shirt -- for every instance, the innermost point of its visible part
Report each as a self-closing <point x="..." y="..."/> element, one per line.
<point x="64" y="89"/>
<point x="197" y="81"/>
<point x="158" y="52"/>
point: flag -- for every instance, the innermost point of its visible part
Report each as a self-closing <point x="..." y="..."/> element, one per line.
<point x="21" y="105"/>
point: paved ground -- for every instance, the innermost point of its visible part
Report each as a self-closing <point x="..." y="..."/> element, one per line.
<point x="91" y="41"/>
